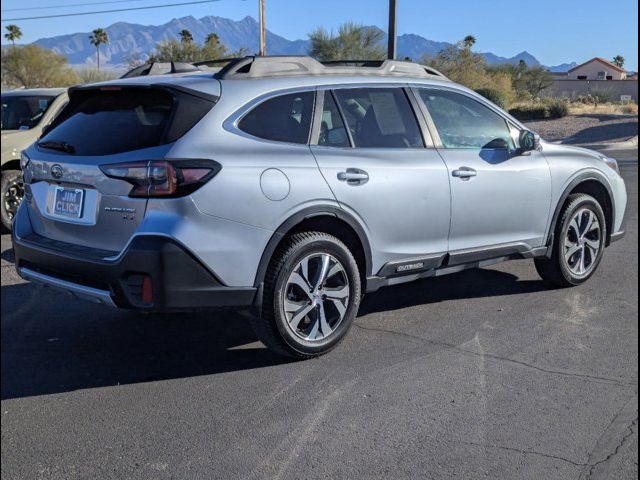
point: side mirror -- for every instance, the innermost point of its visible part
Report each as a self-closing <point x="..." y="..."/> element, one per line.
<point x="528" y="141"/>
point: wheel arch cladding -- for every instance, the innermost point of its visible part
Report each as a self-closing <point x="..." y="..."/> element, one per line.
<point x="11" y="165"/>
<point x="331" y="220"/>
<point x="595" y="185"/>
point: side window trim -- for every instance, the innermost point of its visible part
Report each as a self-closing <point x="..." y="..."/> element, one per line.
<point x="317" y="119"/>
<point x="432" y="126"/>
<point x="343" y="118"/>
<point x="422" y="117"/>
<point x="231" y="124"/>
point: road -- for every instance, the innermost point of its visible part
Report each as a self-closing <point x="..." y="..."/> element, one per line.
<point x="482" y="374"/>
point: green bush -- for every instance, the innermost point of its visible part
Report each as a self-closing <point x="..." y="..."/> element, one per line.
<point x="494" y="95"/>
<point x="552" y="108"/>
<point x="602" y="96"/>
<point x="558" y="108"/>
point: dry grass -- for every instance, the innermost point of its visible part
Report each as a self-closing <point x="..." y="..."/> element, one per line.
<point x="604" y="109"/>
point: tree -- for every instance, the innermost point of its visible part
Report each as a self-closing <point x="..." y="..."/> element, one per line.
<point x="98" y="37"/>
<point x="188" y="51"/>
<point x="13" y="33"/>
<point x="353" y="42"/>
<point x="185" y="36"/>
<point x="536" y="80"/>
<point x="32" y="66"/>
<point x="618" y="60"/>
<point x="212" y="38"/>
<point x="468" y="42"/>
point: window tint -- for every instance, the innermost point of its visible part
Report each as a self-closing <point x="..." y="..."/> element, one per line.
<point x="108" y="122"/>
<point x="23" y="112"/>
<point x="284" y="119"/>
<point x="380" y="117"/>
<point x="332" y="130"/>
<point x="463" y="122"/>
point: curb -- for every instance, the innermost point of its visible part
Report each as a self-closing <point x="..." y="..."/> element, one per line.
<point x="629" y="144"/>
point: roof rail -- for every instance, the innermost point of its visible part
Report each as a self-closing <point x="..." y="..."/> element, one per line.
<point x="217" y="63"/>
<point x="280" y="66"/>
<point x="160" y="68"/>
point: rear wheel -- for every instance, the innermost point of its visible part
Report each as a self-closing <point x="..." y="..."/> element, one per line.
<point x="579" y="243"/>
<point x="12" y="191"/>
<point x="311" y="296"/>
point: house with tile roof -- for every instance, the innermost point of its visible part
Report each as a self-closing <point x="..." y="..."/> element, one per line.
<point x="597" y="69"/>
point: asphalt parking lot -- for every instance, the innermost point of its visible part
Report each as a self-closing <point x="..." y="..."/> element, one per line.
<point x="482" y="374"/>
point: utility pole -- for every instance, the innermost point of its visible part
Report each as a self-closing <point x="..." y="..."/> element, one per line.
<point x="393" y="23"/>
<point x="263" y="30"/>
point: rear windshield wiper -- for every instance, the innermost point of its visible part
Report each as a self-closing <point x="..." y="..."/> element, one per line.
<point x="55" y="145"/>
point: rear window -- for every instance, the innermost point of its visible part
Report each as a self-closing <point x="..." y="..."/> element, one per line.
<point x="286" y="118"/>
<point x="21" y="112"/>
<point x="106" y="122"/>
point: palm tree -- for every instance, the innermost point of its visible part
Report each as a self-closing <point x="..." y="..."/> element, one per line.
<point x="98" y="37"/>
<point x="13" y="33"/>
<point x="185" y="36"/>
<point x="618" y="60"/>
<point x="469" y="41"/>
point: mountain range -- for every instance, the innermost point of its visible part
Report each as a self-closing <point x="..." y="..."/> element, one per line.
<point x="128" y="41"/>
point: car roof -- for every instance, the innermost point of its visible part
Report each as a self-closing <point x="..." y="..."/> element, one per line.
<point x="26" y="92"/>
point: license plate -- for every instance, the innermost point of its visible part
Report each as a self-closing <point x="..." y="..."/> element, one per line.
<point x="68" y="202"/>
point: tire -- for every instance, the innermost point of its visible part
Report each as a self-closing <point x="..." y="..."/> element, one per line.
<point x="291" y="317"/>
<point x="11" y="191"/>
<point x="574" y="233"/>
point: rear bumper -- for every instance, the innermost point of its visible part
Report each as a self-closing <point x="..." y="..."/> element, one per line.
<point x="179" y="280"/>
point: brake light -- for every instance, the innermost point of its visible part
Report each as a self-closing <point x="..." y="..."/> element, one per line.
<point x="162" y="178"/>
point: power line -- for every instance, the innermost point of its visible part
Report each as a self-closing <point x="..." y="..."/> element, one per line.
<point x="68" y="5"/>
<point x="107" y="11"/>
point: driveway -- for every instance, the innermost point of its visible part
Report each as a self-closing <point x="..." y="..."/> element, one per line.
<point x="481" y="374"/>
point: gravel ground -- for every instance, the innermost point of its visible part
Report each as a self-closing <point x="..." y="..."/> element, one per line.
<point x="587" y="128"/>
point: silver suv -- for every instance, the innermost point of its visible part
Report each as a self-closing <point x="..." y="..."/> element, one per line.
<point x="293" y="187"/>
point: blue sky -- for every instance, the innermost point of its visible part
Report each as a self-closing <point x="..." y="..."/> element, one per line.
<point x="555" y="31"/>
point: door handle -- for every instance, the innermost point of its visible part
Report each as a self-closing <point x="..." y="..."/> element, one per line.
<point x="354" y="176"/>
<point x="464" y="173"/>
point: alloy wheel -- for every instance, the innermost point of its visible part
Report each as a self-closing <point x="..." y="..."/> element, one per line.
<point x="582" y="243"/>
<point x="12" y="198"/>
<point x="316" y="297"/>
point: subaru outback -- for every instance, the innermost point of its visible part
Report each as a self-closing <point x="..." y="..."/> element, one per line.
<point x="291" y="188"/>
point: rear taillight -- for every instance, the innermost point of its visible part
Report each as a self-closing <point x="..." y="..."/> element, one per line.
<point x="163" y="178"/>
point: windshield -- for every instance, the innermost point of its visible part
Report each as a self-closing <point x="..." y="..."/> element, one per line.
<point x="22" y="112"/>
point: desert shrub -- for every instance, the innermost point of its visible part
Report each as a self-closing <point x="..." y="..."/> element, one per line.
<point x="630" y="109"/>
<point x="544" y="110"/>
<point x="93" y="75"/>
<point x="494" y="95"/>
<point x="558" y="108"/>
<point x="601" y="96"/>
<point x="531" y="111"/>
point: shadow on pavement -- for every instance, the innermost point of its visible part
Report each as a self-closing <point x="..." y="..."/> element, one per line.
<point x="603" y="133"/>
<point x="468" y="284"/>
<point x="51" y="344"/>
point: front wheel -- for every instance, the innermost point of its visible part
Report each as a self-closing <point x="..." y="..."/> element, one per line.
<point x="579" y="242"/>
<point x="311" y="296"/>
<point x="12" y="191"/>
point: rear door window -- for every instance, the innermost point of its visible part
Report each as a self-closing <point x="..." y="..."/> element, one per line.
<point x="332" y="130"/>
<point x="286" y="118"/>
<point x="380" y="118"/>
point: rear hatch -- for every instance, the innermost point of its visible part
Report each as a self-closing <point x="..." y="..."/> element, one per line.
<point x="84" y="176"/>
